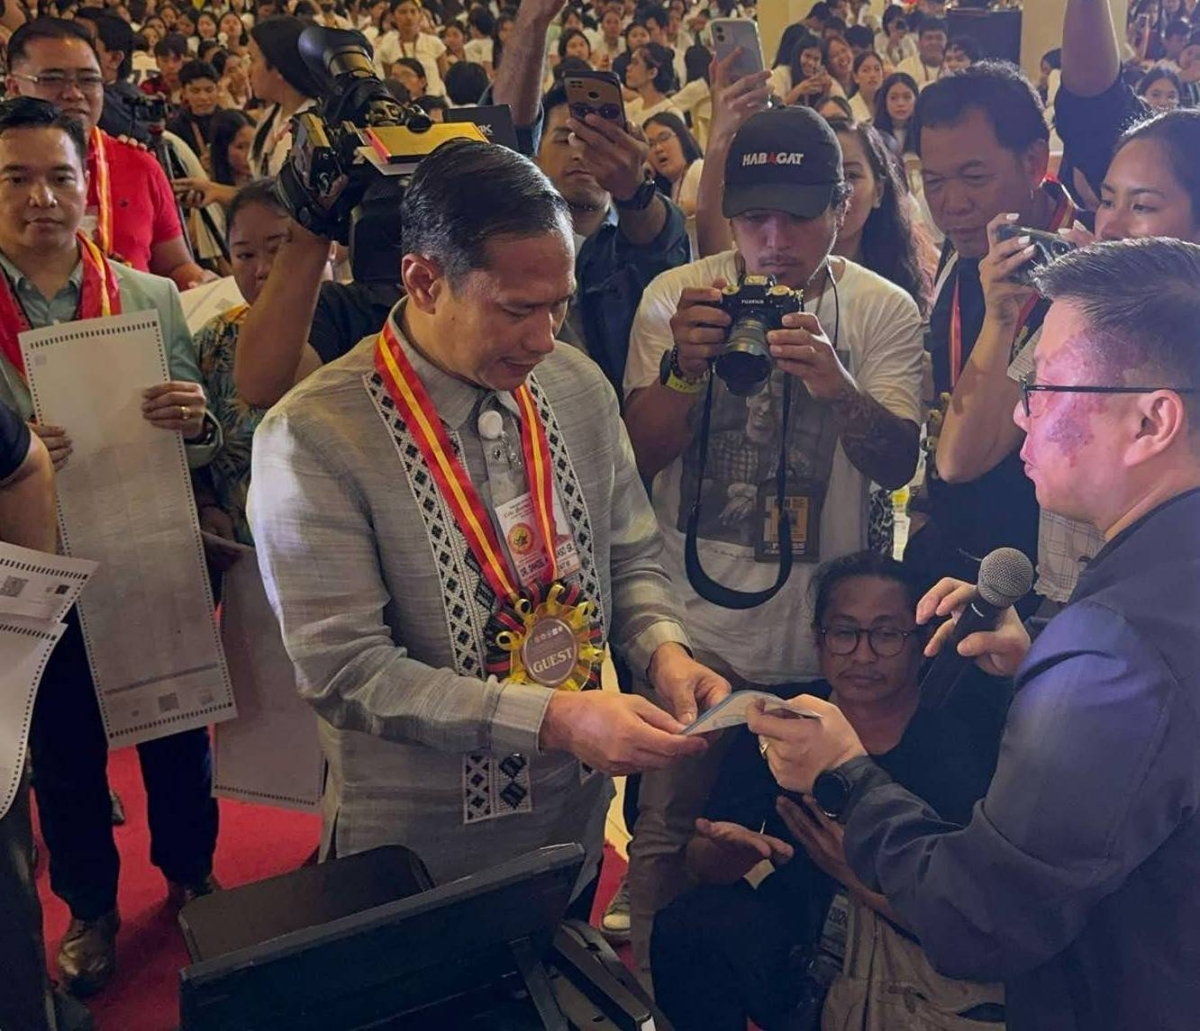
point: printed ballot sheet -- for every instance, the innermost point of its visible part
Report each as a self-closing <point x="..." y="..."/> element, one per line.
<point x="271" y="753"/>
<point x="203" y="302"/>
<point x="36" y="590"/>
<point x="25" y="647"/>
<point x="125" y="500"/>
<point x="40" y="586"/>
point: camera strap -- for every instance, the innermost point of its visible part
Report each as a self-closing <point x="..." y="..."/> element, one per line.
<point x="703" y="584"/>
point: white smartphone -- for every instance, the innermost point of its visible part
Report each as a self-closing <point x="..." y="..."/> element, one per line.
<point x="730" y="33"/>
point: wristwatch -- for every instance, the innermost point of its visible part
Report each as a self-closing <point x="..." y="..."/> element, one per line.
<point x="671" y="376"/>
<point x="835" y="791"/>
<point x="831" y="791"/>
<point x="641" y="198"/>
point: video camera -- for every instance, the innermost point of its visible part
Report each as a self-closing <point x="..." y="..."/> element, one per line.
<point x="351" y="158"/>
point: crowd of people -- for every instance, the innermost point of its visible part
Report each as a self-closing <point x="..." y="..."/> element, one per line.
<point x="532" y="415"/>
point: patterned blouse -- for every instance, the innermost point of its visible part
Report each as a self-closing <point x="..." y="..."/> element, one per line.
<point x="230" y="469"/>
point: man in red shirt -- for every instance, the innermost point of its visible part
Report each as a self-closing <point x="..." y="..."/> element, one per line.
<point x="131" y="207"/>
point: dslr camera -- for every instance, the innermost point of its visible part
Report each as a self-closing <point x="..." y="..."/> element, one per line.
<point x="756" y="306"/>
<point x="351" y="158"/>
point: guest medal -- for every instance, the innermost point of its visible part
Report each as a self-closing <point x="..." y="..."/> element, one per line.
<point x="544" y="632"/>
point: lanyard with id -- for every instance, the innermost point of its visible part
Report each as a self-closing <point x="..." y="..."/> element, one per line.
<point x="544" y="631"/>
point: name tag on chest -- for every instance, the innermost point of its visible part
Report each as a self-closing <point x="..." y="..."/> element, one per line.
<point x="518" y="526"/>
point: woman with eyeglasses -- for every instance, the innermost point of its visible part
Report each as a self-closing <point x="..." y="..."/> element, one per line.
<point x="677" y="161"/>
<point x="726" y="952"/>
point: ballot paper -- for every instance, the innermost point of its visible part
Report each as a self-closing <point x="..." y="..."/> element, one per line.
<point x="732" y="712"/>
<point x="40" y="586"/>
<point x="271" y="753"/>
<point x="125" y="500"/>
<point x="25" y="647"/>
<point x="36" y="590"/>
<point x="203" y="302"/>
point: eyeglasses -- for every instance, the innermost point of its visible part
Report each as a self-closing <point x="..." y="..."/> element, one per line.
<point x="885" y="641"/>
<point x="661" y="139"/>
<point x="1028" y="386"/>
<point x="86" y="82"/>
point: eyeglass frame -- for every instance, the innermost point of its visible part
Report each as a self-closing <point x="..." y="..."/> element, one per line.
<point x="1028" y="387"/>
<point x="90" y="86"/>
<point x="662" y="141"/>
<point x="859" y="632"/>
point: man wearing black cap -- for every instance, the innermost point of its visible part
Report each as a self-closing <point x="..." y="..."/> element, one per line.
<point x="853" y="361"/>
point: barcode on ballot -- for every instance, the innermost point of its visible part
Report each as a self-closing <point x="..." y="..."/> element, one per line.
<point x="12" y="587"/>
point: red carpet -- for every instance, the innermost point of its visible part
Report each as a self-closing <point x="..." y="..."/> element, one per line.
<point x="255" y="842"/>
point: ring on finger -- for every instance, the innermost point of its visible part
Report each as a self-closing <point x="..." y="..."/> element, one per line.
<point x="763" y="746"/>
<point x="183" y="413"/>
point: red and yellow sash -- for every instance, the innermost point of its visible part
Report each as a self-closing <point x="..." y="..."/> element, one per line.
<point x="100" y="189"/>
<point x="412" y="401"/>
<point x="99" y="296"/>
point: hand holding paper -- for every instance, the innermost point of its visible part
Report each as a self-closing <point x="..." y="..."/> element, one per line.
<point x="798" y="750"/>
<point x="732" y="712"/>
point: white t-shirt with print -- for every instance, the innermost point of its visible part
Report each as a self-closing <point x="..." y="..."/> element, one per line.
<point x="427" y="49"/>
<point x="880" y="340"/>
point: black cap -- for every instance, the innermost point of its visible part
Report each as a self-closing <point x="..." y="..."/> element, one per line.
<point x="785" y="159"/>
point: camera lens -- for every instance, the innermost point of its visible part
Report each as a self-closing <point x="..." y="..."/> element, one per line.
<point x="580" y="111"/>
<point x="745" y="364"/>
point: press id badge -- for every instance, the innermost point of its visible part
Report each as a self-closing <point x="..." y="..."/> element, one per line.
<point x="519" y="528"/>
<point x="804" y="507"/>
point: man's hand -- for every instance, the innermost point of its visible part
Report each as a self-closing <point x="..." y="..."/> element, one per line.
<point x="57" y="442"/>
<point x="616" y="157"/>
<point x="799" y="749"/>
<point x="175" y="405"/>
<point x="683" y="684"/>
<point x="997" y="652"/>
<point x="616" y="733"/>
<point x="743" y="847"/>
<point x="802" y="349"/>
<point x="821" y="837"/>
<point x="736" y="100"/>
<point x="699" y="327"/>
<point x="196" y="192"/>
<point x="1004" y="297"/>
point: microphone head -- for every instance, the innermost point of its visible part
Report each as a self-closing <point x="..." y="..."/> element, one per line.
<point x="1005" y="577"/>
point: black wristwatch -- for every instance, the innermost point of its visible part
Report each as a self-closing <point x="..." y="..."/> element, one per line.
<point x="831" y="791"/>
<point x="641" y="198"/>
<point x="835" y="790"/>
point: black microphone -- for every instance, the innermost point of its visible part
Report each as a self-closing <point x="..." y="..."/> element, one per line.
<point x="1005" y="577"/>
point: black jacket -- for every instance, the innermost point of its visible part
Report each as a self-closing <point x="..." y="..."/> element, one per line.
<point x="1077" y="882"/>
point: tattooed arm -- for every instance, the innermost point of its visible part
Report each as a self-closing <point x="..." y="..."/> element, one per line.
<point x="880" y="445"/>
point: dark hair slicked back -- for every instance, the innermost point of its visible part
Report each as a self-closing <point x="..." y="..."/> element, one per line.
<point x="43" y="28"/>
<point x="466" y="193"/>
<point x="1142" y="308"/>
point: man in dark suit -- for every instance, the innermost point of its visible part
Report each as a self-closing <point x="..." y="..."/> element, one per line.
<point x="1075" y="881"/>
